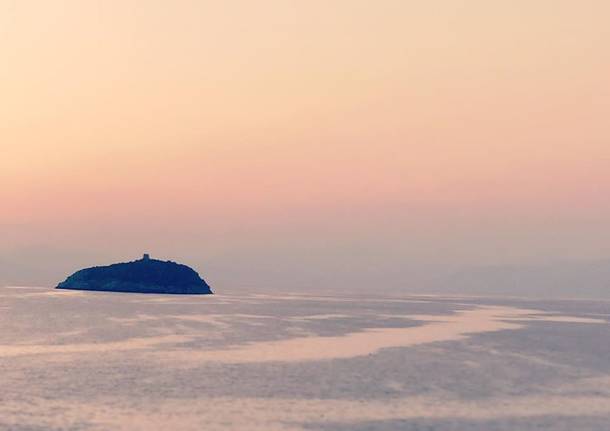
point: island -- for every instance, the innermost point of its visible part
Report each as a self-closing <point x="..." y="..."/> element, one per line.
<point x="141" y="276"/>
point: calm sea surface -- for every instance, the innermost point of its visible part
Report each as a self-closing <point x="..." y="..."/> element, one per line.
<point x="112" y="361"/>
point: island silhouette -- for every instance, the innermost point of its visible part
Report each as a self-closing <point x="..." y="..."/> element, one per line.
<point x="140" y="276"/>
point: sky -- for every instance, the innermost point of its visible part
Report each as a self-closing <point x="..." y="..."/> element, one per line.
<point x="303" y="144"/>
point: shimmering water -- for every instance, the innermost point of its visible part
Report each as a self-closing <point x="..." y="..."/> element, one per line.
<point x="89" y="360"/>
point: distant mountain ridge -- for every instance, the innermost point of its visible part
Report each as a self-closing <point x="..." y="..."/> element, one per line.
<point x="141" y="276"/>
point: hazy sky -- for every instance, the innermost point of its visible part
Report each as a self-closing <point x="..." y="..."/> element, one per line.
<point x="335" y="141"/>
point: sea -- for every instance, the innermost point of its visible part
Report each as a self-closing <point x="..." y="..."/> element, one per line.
<point x="267" y="361"/>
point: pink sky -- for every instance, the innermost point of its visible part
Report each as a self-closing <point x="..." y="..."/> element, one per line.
<point x="412" y="131"/>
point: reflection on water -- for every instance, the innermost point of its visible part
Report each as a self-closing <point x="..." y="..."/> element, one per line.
<point x="371" y="340"/>
<point x="18" y="349"/>
<point x="153" y="362"/>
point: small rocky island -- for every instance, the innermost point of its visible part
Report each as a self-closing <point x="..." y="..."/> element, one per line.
<point x="141" y="276"/>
